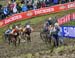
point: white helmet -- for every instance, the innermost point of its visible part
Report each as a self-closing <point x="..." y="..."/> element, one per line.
<point x="49" y="18"/>
<point x="17" y="27"/>
<point x="56" y="24"/>
<point x="28" y="26"/>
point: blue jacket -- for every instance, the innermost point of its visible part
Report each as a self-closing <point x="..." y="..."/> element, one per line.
<point x="8" y="31"/>
<point x="24" y="8"/>
<point x="55" y="1"/>
<point x="5" y="11"/>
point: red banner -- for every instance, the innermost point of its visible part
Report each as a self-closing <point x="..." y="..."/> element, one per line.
<point x="64" y="19"/>
<point x="41" y="11"/>
<point x="73" y="16"/>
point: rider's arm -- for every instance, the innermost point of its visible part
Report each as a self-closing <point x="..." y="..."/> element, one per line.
<point x="12" y="32"/>
<point x="24" y="29"/>
<point x="32" y="29"/>
<point x="6" y="32"/>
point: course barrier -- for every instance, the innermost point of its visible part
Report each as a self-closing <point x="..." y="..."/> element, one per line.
<point x="37" y="12"/>
<point x="66" y="18"/>
<point x="68" y="31"/>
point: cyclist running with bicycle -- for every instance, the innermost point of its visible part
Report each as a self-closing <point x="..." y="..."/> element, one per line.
<point x="28" y="29"/>
<point x="7" y="34"/>
<point x="48" y="24"/>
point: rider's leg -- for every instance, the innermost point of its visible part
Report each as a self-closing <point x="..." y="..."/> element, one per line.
<point x="61" y="40"/>
<point x="28" y="37"/>
<point x="14" y="39"/>
<point x="56" y="41"/>
<point x="9" y="39"/>
<point x="5" y="37"/>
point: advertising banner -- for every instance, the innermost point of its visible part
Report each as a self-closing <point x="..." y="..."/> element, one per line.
<point x="68" y="31"/>
<point x="64" y="19"/>
<point x="73" y="16"/>
<point x="41" y="11"/>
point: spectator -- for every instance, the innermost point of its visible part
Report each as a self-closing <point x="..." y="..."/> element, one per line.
<point x="47" y="2"/>
<point x="35" y="4"/>
<point x="29" y="5"/>
<point x="63" y="1"/>
<point x="22" y="1"/>
<point x="5" y="11"/>
<point x="10" y="8"/>
<point x="38" y="4"/>
<point x="14" y="8"/>
<point x="13" y="0"/>
<point x="25" y="5"/>
<point x="72" y="0"/>
<point x="18" y="8"/>
<point x="21" y="4"/>
<point x="66" y="1"/>
<point x="43" y="4"/>
<point x="55" y="2"/>
<point x="1" y="12"/>
<point x="0" y="9"/>
<point x="0" y="6"/>
<point x="24" y="8"/>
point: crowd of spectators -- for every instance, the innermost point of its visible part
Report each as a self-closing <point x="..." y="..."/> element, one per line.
<point x="25" y="5"/>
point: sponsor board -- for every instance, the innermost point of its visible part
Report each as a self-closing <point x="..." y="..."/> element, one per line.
<point x="71" y="5"/>
<point x="42" y="11"/>
<point x="64" y="19"/>
<point x="46" y="10"/>
<point x="29" y="13"/>
<point x="13" y="18"/>
<point x="1" y="23"/>
<point x="68" y="31"/>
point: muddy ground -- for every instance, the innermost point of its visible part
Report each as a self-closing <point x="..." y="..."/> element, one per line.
<point x="34" y="47"/>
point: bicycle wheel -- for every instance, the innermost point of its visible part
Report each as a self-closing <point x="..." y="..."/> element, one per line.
<point x="43" y="36"/>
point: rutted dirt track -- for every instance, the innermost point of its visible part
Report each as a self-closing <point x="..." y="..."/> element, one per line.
<point x="36" y="49"/>
<point x="37" y="44"/>
<point x="33" y="48"/>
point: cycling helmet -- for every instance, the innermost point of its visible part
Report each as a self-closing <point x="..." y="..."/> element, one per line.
<point x="28" y="26"/>
<point x="56" y="24"/>
<point x="49" y="18"/>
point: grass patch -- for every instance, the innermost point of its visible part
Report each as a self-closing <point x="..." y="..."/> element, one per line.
<point x="72" y="23"/>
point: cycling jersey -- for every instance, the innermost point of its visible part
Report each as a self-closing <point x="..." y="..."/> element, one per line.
<point x="49" y="22"/>
<point x="14" y="32"/>
<point x="8" y="31"/>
